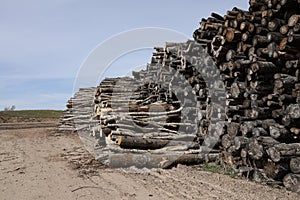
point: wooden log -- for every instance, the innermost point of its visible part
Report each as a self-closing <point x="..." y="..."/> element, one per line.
<point x="264" y="22"/>
<point x="211" y="26"/>
<point x="296" y="28"/>
<point x="165" y="161"/>
<point x="256" y="150"/>
<point x="260" y="41"/>
<point x="248" y="47"/>
<point x="244" y="25"/>
<point x="283" y="46"/>
<point x="251" y="28"/>
<point x="256" y="3"/>
<point x="259" y="131"/>
<point x="294" y="39"/>
<point x="275" y="24"/>
<point x="128" y="142"/>
<point x="295" y="130"/>
<point x="246" y="37"/>
<point x="237" y="22"/>
<point x="293" y="20"/>
<point x="288" y="150"/>
<point x="274" y="154"/>
<point x="295" y="165"/>
<point x="254" y="19"/>
<point x="217" y="16"/>
<point x="293" y="110"/>
<point x="233" y="35"/>
<point x="288" y="121"/>
<point x="226" y="141"/>
<point x="284" y="29"/>
<point x="262" y="30"/>
<point x="264" y="67"/>
<point x="292" y="182"/>
<point x="278" y="131"/>
<point x="274" y="36"/>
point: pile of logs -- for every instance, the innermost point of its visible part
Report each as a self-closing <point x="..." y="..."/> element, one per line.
<point x="155" y="110"/>
<point x="258" y="54"/>
<point x="79" y="110"/>
<point x="162" y="115"/>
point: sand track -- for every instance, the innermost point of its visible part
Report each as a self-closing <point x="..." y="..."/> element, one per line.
<point x="38" y="163"/>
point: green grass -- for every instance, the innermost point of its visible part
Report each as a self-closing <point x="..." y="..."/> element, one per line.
<point x="276" y="186"/>
<point x="27" y="114"/>
<point x="212" y="167"/>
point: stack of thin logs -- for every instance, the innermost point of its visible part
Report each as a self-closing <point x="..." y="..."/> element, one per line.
<point x="155" y="110"/>
<point x="258" y="54"/>
<point x="79" y="110"/>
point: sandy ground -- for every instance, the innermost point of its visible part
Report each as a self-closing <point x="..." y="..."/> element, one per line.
<point x="39" y="163"/>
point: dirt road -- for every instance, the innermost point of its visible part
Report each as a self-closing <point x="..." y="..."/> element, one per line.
<point x="38" y="163"/>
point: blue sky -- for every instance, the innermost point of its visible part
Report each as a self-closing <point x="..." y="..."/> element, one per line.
<point x="44" y="43"/>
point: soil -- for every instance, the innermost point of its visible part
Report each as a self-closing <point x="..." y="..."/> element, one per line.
<point x="40" y="163"/>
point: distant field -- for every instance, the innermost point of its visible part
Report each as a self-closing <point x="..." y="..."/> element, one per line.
<point x="29" y="114"/>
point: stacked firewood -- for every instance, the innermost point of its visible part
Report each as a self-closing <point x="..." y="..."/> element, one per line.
<point x="79" y="110"/>
<point x="258" y="54"/>
<point x="166" y="109"/>
<point x="154" y="105"/>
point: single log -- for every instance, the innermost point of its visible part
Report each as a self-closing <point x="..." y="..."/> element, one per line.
<point x="259" y="131"/>
<point x="255" y="19"/>
<point x="295" y="130"/>
<point x="246" y="37"/>
<point x="278" y="131"/>
<point x="274" y="36"/>
<point x="261" y="30"/>
<point x="256" y="3"/>
<point x="292" y="182"/>
<point x="211" y="26"/>
<point x="251" y="27"/>
<point x="244" y="25"/>
<point x="240" y="142"/>
<point x="233" y="35"/>
<point x="142" y="143"/>
<point x="296" y="28"/>
<point x="293" y="20"/>
<point x="264" y="22"/>
<point x="293" y="110"/>
<point x="294" y="39"/>
<point x="284" y="29"/>
<point x="264" y="67"/>
<point x="256" y="150"/>
<point x="165" y="160"/>
<point x="260" y="41"/>
<point x="283" y="46"/>
<point x="295" y="165"/>
<point x="275" y="24"/>
<point x="217" y="16"/>
<point x="226" y="141"/>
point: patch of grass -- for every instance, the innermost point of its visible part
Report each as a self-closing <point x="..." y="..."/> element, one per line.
<point x="231" y="173"/>
<point x="212" y="167"/>
<point x="27" y="114"/>
<point x="274" y="185"/>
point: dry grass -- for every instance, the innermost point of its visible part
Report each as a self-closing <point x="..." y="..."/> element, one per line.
<point x="31" y="114"/>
